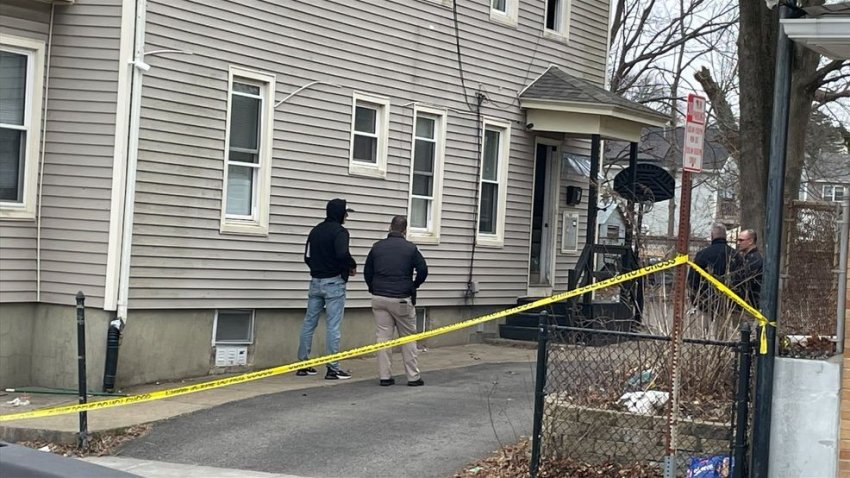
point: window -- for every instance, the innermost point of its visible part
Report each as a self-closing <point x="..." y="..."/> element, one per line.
<point x="612" y="232"/>
<point x="21" y="77"/>
<point x="492" y="191"/>
<point x="834" y="193"/>
<point x="556" y="19"/>
<point x="504" y="11"/>
<point x="569" y="232"/>
<point x="233" y="327"/>
<point x="370" y="118"/>
<point x="248" y="153"/>
<point x="426" y="175"/>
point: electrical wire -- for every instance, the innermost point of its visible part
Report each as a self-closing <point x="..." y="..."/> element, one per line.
<point x="459" y="56"/>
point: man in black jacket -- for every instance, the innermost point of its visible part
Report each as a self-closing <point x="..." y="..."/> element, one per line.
<point x="746" y="268"/>
<point x="326" y="253"/>
<point x="389" y="276"/>
<point x="714" y="259"/>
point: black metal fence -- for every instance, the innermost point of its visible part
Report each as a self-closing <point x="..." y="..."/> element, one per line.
<point x="603" y="398"/>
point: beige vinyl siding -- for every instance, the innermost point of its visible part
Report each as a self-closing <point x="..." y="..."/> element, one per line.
<point x="18" y="238"/>
<point x="401" y="50"/>
<point x="79" y="151"/>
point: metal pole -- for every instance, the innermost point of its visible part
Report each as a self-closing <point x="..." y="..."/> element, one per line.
<point x="539" y="392"/>
<point x="842" y="276"/>
<point x="82" y="438"/>
<point x="678" y="323"/>
<point x="739" y="454"/>
<point x="772" y="252"/>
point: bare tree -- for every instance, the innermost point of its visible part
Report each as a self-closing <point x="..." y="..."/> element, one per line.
<point x="815" y="83"/>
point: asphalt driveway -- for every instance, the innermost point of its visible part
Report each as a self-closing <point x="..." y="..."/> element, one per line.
<point x="356" y="429"/>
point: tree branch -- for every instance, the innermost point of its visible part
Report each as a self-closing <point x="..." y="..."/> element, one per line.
<point x="726" y="121"/>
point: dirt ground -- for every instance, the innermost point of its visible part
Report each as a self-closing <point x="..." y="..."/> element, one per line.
<point x="100" y="444"/>
<point x="512" y="461"/>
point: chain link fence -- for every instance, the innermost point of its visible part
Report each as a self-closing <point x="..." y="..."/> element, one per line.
<point x="810" y="271"/>
<point x="604" y="398"/>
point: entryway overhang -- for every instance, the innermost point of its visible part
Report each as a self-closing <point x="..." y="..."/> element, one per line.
<point x="825" y="29"/>
<point x="561" y="103"/>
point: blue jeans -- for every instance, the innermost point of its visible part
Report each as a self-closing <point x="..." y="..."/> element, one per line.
<point x="326" y="294"/>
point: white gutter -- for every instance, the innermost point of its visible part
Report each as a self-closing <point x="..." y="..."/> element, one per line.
<point x="119" y="155"/>
<point x="41" y="157"/>
<point x="132" y="160"/>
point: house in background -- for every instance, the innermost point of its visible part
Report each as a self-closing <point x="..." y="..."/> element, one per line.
<point x="713" y="194"/>
<point x="827" y="178"/>
<point x="181" y="151"/>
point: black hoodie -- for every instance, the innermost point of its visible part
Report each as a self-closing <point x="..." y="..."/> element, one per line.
<point x="326" y="251"/>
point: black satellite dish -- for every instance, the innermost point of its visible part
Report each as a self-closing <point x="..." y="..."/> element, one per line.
<point x="654" y="184"/>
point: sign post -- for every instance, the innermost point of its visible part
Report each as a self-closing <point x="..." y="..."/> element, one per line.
<point x="692" y="149"/>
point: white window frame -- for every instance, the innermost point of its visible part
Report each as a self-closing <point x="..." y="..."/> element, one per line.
<point x="258" y="222"/>
<point x="34" y="50"/>
<point x="382" y="130"/>
<point x="833" y="188"/>
<point x="565" y="218"/>
<point x="563" y="21"/>
<point x="430" y="234"/>
<point x="251" y="337"/>
<point x="508" y="17"/>
<point x="497" y="239"/>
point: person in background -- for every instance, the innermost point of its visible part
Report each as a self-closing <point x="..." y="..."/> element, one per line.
<point x="746" y="268"/>
<point x="326" y="253"/>
<point x="389" y="275"/>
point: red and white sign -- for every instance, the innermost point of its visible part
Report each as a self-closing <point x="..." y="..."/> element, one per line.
<point x="694" y="134"/>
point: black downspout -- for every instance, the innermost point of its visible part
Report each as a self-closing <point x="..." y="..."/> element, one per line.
<point x="772" y="253"/>
<point x="113" y="342"/>
<point x="470" y="288"/>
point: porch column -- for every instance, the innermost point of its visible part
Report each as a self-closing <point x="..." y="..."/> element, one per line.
<point x="631" y="229"/>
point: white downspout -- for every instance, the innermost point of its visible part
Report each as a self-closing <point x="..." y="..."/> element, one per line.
<point x="41" y="157"/>
<point x="132" y="160"/>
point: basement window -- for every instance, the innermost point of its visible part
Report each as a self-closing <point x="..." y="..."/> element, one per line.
<point x="233" y="326"/>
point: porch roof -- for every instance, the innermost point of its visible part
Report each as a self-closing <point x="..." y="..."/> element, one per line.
<point x="559" y="102"/>
<point x="825" y="30"/>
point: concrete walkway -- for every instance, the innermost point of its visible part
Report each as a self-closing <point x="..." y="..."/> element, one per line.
<point x="62" y="428"/>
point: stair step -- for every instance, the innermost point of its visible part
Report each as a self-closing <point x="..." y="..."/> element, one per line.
<point x="527" y="319"/>
<point x="528" y="334"/>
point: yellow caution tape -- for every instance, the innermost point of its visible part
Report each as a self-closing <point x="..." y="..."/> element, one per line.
<point x="743" y="303"/>
<point x="173" y="392"/>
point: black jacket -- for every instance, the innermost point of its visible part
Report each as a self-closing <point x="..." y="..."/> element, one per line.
<point x="715" y="260"/>
<point x="390" y="265"/>
<point x="746" y="271"/>
<point x="326" y="251"/>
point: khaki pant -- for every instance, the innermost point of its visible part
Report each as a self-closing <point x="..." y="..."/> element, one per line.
<point x="394" y="313"/>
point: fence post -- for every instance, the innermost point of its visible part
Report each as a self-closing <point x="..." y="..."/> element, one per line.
<point x="745" y="350"/>
<point x="82" y="438"/>
<point x="539" y="392"/>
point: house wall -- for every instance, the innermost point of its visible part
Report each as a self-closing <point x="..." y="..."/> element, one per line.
<point x="76" y="187"/>
<point x="38" y="345"/>
<point x="17" y="238"/>
<point x="402" y="50"/>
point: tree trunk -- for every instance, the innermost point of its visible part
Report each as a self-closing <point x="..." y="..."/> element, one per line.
<point x="757" y="59"/>
<point x="803" y="89"/>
